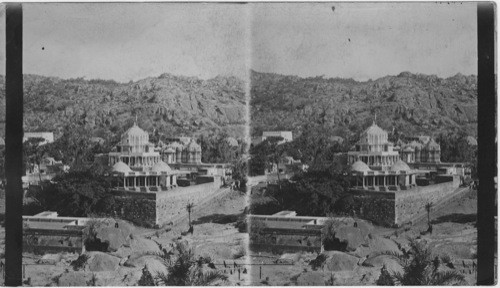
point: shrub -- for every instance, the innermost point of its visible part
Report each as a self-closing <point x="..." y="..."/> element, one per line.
<point x="146" y="278"/>
<point x="318" y="262"/>
<point x="445" y="258"/>
<point x="385" y="278"/>
<point x="79" y="262"/>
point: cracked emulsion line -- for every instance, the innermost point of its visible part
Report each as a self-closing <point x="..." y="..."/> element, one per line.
<point x="248" y="63"/>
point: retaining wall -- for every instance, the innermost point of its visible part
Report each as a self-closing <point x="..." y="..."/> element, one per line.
<point x="410" y="204"/>
<point x="159" y="208"/>
<point x="400" y="207"/>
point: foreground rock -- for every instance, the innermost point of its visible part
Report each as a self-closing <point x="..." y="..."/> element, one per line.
<point x="72" y="278"/>
<point x="311" y="278"/>
<point x="339" y="261"/>
<point x="100" y="261"/>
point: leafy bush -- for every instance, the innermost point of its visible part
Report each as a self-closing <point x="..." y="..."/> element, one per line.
<point x="80" y="262"/>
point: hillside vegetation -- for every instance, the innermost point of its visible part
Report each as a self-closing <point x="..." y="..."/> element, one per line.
<point x="409" y="103"/>
<point x="173" y="105"/>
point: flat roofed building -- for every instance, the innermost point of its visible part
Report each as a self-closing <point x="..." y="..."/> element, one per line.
<point x="48" y="136"/>
<point x="286" y="135"/>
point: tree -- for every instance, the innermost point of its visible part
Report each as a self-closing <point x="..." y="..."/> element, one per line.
<point x="33" y="152"/>
<point x="385" y="278"/>
<point x="146" y="278"/>
<point x="76" y="193"/>
<point x="183" y="269"/>
<point x="420" y="269"/>
<point x="240" y="168"/>
<point x="189" y="208"/>
<point x="428" y="208"/>
<point x="456" y="148"/>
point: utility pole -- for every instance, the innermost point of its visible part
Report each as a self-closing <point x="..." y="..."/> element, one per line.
<point x="14" y="144"/>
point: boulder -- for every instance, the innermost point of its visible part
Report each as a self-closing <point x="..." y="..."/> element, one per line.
<point x="390" y="263"/>
<point x="50" y="259"/>
<point x="340" y="261"/>
<point x="311" y="278"/>
<point x="116" y="237"/>
<point x="72" y="278"/>
<point x="374" y="245"/>
<point x="99" y="261"/>
<point x="352" y="236"/>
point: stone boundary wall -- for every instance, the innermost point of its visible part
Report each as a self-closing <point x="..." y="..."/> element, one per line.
<point x="160" y="208"/>
<point x="410" y="204"/>
<point x="136" y="207"/>
<point x="376" y="206"/>
<point x="400" y="207"/>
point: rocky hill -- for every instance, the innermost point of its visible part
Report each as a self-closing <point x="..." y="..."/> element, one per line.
<point x="174" y="105"/>
<point x="413" y="103"/>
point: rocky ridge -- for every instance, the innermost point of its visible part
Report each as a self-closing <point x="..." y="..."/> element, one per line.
<point x="169" y="104"/>
<point x="413" y="103"/>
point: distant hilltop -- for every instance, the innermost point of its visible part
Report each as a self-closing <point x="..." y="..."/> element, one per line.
<point x="413" y="103"/>
<point x="172" y="105"/>
<point x="178" y="105"/>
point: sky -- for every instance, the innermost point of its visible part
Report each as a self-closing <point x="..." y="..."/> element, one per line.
<point x="132" y="41"/>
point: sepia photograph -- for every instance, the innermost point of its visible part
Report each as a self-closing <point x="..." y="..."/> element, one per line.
<point x="247" y="144"/>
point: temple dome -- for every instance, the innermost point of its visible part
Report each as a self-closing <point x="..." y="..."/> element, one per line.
<point x="193" y="147"/>
<point x="161" y="167"/>
<point x="121" y="167"/>
<point x="360" y="166"/>
<point x="432" y="145"/>
<point x="400" y="165"/>
<point x="135" y="131"/>
<point x="375" y="129"/>
<point x="374" y="135"/>
<point x="408" y="148"/>
<point x="170" y="150"/>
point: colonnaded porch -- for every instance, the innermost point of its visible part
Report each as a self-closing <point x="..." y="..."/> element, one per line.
<point x="393" y="182"/>
<point x="147" y="183"/>
<point x="374" y="160"/>
<point x="134" y="161"/>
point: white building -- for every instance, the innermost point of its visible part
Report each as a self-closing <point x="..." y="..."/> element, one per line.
<point x="48" y="136"/>
<point x="286" y="135"/>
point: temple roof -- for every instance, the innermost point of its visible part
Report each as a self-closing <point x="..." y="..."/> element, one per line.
<point x="176" y="145"/>
<point x="170" y="150"/>
<point x="408" y="148"/>
<point x="375" y="129"/>
<point x="360" y="166"/>
<point x="415" y="145"/>
<point x="121" y="167"/>
<point x="432" y="145"/>
<point x="400" y="166"/>
<point x="161" y="167"/>
<point x="193" y="146"/>
<point x="135" y="131"/>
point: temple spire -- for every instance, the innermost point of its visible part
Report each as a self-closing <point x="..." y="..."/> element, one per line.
<point x="375" y="119"/>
